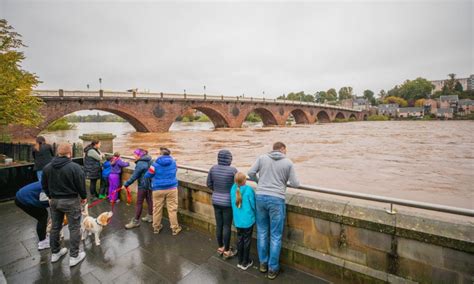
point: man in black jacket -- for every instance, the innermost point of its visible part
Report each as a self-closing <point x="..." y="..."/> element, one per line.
<point x="64" y="183"/>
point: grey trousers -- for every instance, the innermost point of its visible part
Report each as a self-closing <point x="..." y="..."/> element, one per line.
<point x="72" y="209"/>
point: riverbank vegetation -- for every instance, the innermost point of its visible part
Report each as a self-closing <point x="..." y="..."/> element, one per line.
<point x="344" y="119"/>
<point x="60" y="124"/>
<point x="253" y="117"/>
<point x="94" y="118"/>
<point x="376" y="117"/>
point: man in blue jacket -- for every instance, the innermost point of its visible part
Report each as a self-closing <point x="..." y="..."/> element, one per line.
<point x="164" y="185"/>
<point x="28" y="200"/>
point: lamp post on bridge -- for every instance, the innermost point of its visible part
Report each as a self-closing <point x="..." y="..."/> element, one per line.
<point x="100" y="83"/>
<point x="87" y="87"/>
<point x="204" y="89"/>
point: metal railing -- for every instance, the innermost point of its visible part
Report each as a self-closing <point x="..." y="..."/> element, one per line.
<point x="195" y="97"/>
<point x="369" y="197"/>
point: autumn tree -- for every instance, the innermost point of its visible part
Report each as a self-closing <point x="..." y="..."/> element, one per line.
<point x="420" y="102"/>
<point x="395" y="100"/>
<point x="17" y="106"/>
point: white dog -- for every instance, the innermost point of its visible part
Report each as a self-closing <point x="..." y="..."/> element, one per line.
<point x="94" y="226"/>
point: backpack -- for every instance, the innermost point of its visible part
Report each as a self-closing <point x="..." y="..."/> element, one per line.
<point x="147" y="181"/>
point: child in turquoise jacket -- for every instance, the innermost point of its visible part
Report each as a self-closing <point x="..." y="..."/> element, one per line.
<point x="243" y="207"/>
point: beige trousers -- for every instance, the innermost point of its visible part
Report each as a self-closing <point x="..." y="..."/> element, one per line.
<point x="170" y="196"/>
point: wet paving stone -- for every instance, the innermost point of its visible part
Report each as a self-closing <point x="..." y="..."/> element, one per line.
<point x="124" y="256"/>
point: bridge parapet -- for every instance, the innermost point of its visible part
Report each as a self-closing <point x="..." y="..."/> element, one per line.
<point x="203" y="97"/>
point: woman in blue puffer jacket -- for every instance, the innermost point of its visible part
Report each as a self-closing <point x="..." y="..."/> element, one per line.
<point x="164" y="186"/>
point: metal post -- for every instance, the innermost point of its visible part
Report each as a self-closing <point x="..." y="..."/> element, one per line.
<point x="61" y="92"/>
<point x="391" y="211"/>
<point x="101" y="93"/>
<point x="161" y="95"/>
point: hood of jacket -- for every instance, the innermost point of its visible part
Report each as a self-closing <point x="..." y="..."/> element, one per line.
<point x="276" y="155"/>
<point x="224" y="158"/>
<point x="59" y="162"/>
<point x="164" y="160"/>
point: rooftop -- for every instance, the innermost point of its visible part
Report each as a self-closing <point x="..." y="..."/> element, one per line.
<point x="124" y="256"/>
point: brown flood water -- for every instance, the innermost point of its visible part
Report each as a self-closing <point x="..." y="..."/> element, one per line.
<point x="429" y="161"/>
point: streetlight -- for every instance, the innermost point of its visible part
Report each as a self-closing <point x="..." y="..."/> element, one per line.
<point x="100" y="83"/>
<point x="204" y="89"/>
<point x="87" y="86"/>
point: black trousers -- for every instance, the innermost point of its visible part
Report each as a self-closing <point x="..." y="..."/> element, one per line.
<point x="93" y="186"/>
<point x="223" y="225"/>
<point x="104" y="186"/>
<point x="244" y="240"/>
<point x="40" y="214"/>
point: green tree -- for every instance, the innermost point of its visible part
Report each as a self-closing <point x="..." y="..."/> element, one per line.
<point x="458" y="87"/>
<point x="331" y="95"/>
<point x="300" y="96"/>
<point x="413" y="90"/>
<point x="17" y="106"/>
<point x="369" y="95"/>
<point x="345" y="93"/>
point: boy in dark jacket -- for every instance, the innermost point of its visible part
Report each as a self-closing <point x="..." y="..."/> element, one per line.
<point x="142" y="163"/>
<point x="64" y="183"/>
<point x="220" y="180"/>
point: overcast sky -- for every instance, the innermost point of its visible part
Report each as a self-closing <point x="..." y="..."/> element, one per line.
<point x="240" y="47"/>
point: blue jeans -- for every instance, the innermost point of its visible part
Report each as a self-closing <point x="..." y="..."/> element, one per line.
<point x="271" y="212"/>
<point x="39" y="175"/>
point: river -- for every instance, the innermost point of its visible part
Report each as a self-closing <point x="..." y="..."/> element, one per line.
<point x="429" y="161"/>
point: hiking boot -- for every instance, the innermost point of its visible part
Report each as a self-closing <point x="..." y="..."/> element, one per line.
<point x="272" y="274"/>
<point x="75" y="260"/>
<point x="263" y="267"/>
<point x="56" y="256"/>
<point x="133" y="224"/>
<point x="44" y="244"/>
<point x="148" y="218"/>
<point x="158" y="230"/>
<point x="177" y="230"/>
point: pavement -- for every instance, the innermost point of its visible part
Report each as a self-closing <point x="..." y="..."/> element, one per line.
<point x="125" y="256"/>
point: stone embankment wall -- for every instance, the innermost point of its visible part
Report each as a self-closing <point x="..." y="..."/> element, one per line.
<point x="354" y="244"/>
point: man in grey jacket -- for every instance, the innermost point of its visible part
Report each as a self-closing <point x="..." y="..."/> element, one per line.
<point x="274" y="172"/>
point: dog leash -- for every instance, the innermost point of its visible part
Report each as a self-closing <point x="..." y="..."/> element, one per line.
<point x="129" y="198"/>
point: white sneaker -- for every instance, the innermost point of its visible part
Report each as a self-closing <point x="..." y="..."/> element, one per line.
<point x="44" y="244"/>
<point x="75" y="260"/>
<point x="56" y="256"/>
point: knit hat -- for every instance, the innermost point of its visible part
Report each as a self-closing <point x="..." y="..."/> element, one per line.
<point x="165" y="151"/>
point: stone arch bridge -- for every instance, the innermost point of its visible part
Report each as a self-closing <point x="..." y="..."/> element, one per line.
<point x="155" y="112"/>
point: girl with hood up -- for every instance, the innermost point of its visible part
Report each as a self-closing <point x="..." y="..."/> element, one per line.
<point x="142" y="163"/>
<point x="114" y="176"/>
<point x="220" y="180"/>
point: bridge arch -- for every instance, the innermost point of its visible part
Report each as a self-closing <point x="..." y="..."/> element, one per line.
<point x="214" y="115"/>
<point x="128" y="116"/>
<point x="352" y="116"/>
<point x="268" y="118"/>
<point x="323" y="117"/>
<point x="300" y="116"/>
<point x="340" y="115"/>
